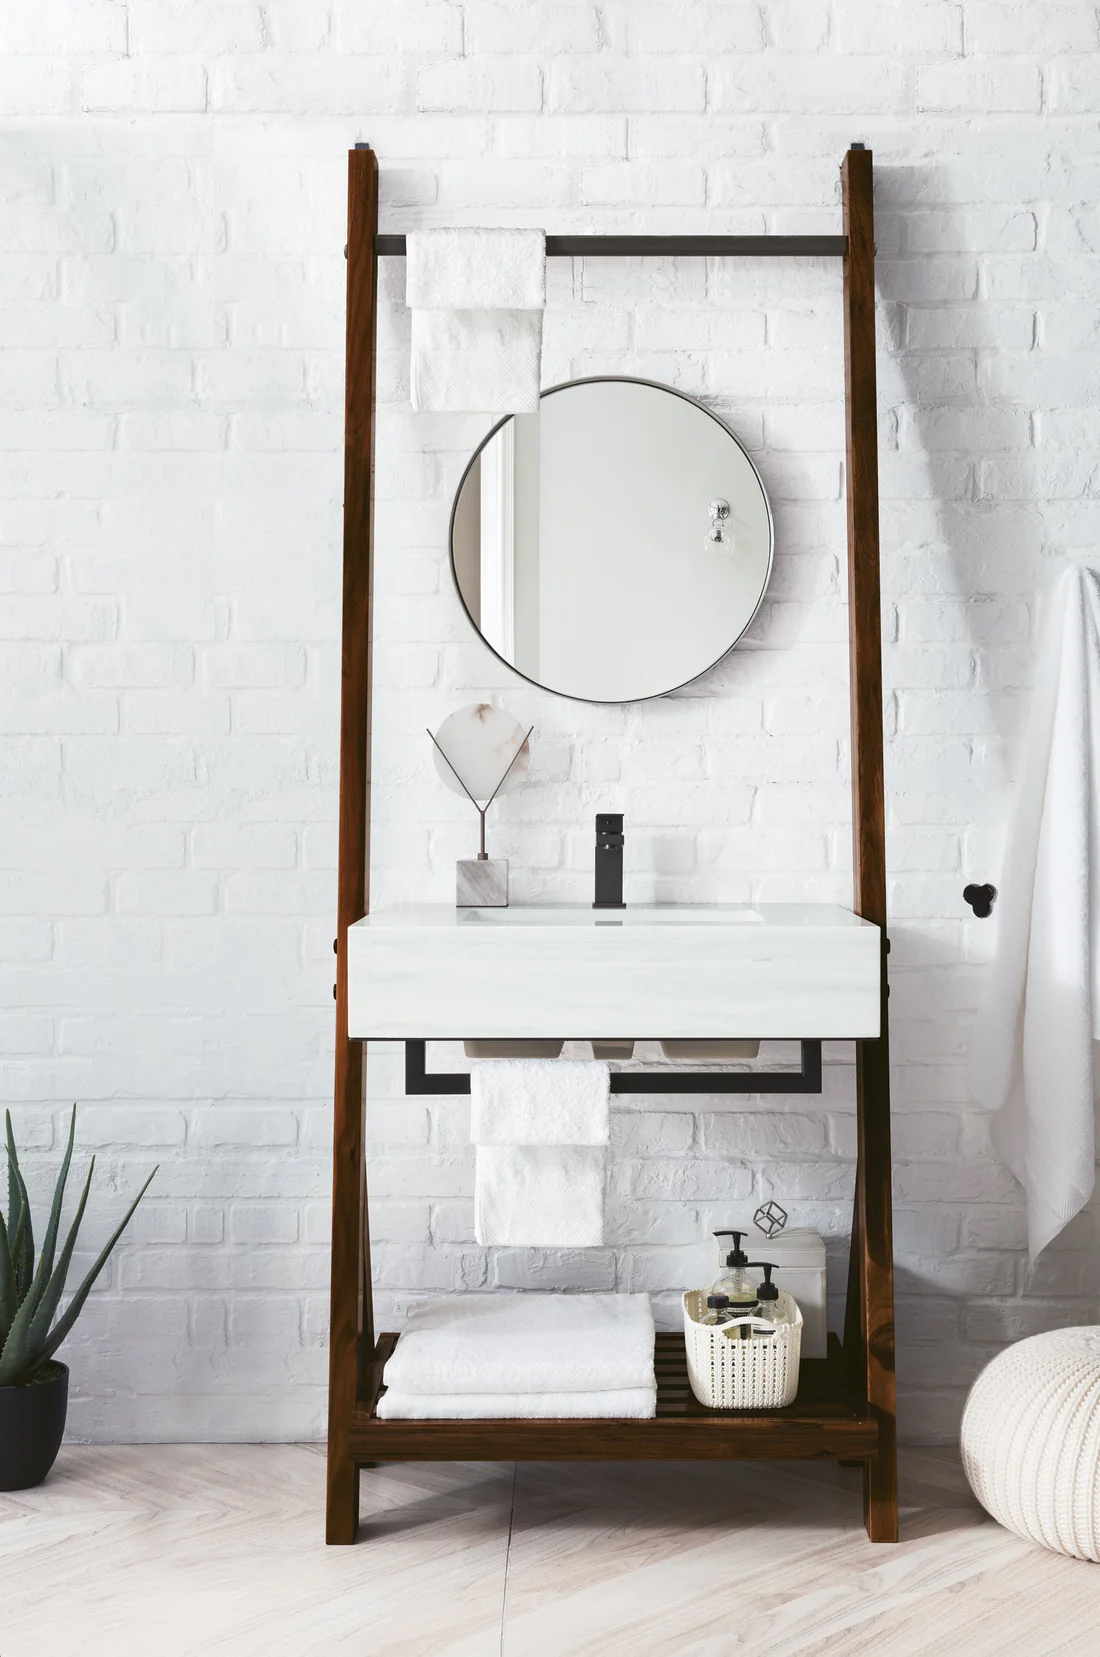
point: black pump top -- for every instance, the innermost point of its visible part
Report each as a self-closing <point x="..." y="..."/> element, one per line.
<point x="737" y="1255"/>
<point x="767" y="1290"/>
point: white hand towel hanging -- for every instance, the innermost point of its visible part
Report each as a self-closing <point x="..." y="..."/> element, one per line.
<point x="1031" y="1057"/>
<point x="477" y="298"/>
<point x="539" y="1196"/>
<point x="541" y="1159"/>
<point x="540" y="1102"/>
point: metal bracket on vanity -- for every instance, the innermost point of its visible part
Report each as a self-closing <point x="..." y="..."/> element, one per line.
<point x="418" y="1079"/>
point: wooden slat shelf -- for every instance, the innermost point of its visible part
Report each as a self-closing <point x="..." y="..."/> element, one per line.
<point x="822" y="1424"/>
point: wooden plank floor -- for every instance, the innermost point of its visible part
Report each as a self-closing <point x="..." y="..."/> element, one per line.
<point x="821" y="1422"/>
<point x="217" y="1551"/>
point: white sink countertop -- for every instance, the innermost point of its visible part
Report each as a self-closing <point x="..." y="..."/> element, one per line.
<point x="766" y="971"/>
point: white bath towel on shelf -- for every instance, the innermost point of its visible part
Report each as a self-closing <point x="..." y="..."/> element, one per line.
<point x="477" y="298"/>
<point x="550" y="1343"/>
<point x="539" y="1196"/>
<point x="632" y="1403"/>
<point x="1031" y="1057"/>
<point x="540" y="1102"/>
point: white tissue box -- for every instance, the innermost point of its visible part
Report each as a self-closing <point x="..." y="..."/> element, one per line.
<point x="799" y="1256"/>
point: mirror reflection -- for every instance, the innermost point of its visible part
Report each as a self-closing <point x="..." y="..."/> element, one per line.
<point x="615" y="544"/>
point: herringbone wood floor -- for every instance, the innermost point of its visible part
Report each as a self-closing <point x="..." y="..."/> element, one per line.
<point x="177" y="1551"/>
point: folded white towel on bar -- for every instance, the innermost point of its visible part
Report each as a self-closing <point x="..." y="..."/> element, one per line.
<point x="475" y="269"/>
<point x="533" y="1343"/>
<point x="539" y="1196"/>
<point x="1031" y="1055"/>
<point x="477" y="298"/>
<point x="540" y="1102"/>
<point x="631" y="1403"/>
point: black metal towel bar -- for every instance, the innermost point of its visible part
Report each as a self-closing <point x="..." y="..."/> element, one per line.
<point x="681" y="247"/>
<point x="418" y="1078"/>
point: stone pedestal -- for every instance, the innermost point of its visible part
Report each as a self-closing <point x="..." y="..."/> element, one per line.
<point x="481" y="883"/>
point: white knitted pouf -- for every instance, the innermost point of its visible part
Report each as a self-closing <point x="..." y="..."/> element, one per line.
<point x="1031" y="1440"/>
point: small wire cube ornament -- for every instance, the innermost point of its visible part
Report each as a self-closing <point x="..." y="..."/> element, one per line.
<point x="770" y="1218"/>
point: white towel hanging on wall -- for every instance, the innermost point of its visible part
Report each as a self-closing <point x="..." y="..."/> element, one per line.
<point x="477" y="298"/>
<point x="1031" y="1056"/>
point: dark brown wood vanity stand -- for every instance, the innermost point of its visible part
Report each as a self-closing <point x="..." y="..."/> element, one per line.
<point x="845" y="1409"/>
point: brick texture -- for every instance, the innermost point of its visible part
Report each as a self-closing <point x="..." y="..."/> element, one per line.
<point x="172" y="180"/>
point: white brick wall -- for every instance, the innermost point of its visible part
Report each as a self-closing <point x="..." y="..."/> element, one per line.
<point x="171" y="200"/>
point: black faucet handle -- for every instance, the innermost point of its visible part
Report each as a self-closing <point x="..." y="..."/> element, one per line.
<point x="609" y="826"/>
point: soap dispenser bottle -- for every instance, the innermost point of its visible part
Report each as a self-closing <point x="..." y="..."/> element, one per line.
<point x="718" y="1310"/>
<point x="776" y="1305"/>
<point x="734" y="1279"/>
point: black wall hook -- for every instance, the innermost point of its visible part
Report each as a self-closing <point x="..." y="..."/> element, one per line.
<point x="980" y="899"/>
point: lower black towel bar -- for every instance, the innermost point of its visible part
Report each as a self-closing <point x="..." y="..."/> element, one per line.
<point x="418" y="1079"/>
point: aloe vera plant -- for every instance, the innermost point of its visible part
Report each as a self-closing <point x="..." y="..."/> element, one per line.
<point x="30" y="1294"/>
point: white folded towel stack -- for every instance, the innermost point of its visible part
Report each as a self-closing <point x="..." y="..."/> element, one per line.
<point x="628" y="1403"/>
<point x="541" y="1128"/>
<point x="477" y="298"/>
<point x="1031" y="1057"/>
<point x="498" y="1356"/>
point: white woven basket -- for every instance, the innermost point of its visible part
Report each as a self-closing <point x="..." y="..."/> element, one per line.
<point x="730" y="1374"/>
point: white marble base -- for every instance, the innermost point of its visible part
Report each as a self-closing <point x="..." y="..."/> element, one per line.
<point x="481" y="883"/>
<point x="774" y="972"/>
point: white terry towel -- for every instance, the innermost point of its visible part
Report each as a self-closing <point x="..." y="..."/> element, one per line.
<point x="533" y="1343"/>
<point x="477" y="298"/>
<point x="631" y="1403"/>
<point x="539" y="1196"/>
<point x="540" y="1127"/>
<point x="540" y="1102"/>
<point x="1031" y="1057"/>
<point x="475" y="270"/>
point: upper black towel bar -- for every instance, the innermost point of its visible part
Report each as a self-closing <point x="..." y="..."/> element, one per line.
<point x="418" y="1079"/>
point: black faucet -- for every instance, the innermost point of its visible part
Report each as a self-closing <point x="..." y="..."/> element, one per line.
<point x="609" y="860"/>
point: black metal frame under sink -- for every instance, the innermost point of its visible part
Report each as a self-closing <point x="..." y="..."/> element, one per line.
<point x="419" y="1079"/>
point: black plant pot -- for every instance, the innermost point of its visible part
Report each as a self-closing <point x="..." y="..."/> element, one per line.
<point x="32" y="1424"/>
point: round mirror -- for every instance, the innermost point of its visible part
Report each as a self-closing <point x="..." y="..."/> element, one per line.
<point x="615" y="544"/>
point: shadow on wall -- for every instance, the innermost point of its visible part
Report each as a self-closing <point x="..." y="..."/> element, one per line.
<point x="948" y="1330"/>
<point x="963" y="542"/>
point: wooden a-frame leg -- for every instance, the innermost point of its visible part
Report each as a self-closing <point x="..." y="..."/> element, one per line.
<point x="869" y="1358"/>
<point x="342" y="1510"/>
<point x="853" y="1307"/>
<point x="350" y="1316"/>
<point x="351" y="1324"/>
<point x="870" y="1321"/>
<point x="874" y="1262"/>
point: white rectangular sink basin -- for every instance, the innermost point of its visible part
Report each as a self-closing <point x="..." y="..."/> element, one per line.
<point x="774" y="971"/>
